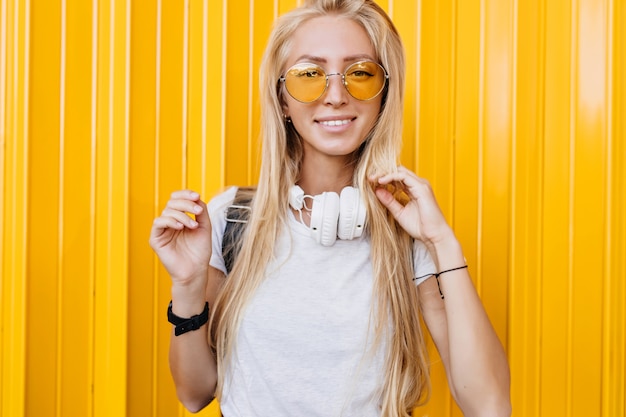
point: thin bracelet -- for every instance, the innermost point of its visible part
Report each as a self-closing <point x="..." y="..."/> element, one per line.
<point x="443" y="272"/>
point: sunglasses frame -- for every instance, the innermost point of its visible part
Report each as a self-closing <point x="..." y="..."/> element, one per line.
<point x="283" y="79"/>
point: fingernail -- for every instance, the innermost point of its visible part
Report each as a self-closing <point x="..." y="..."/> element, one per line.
<point x="194" y="223"/>
<point x="197" y="209"/>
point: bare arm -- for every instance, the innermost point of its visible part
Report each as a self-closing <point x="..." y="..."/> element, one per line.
<point x="475" y="362"/>
<point x="192" y="363"/>
<point x="183" y="245"/>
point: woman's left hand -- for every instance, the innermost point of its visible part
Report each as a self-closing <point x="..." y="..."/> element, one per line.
<point x="421" y="216"/>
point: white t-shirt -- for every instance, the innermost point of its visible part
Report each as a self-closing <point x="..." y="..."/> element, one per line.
<point x="303" y="345"/>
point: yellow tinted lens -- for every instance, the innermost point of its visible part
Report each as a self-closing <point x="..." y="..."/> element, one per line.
<point x="365" y="80"/>
<point x="305" y="82"/>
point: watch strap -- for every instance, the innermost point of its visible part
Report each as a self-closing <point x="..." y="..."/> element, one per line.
<point x="184" y="325"/>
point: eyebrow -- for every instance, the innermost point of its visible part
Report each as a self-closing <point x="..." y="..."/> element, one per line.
<point x="349" y="58"/>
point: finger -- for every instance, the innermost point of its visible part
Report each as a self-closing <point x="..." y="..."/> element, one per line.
<point x="180" y="217"/>
<point x="160" y="225"/>
<point x="197" y="207"/>
<point x="403" y="176"/>
<point x="389" y="201"/>
<point x="417" y="188"/>
<point x="397" y="186"/>
<point x="202" y="216"/>
<point x="184" y="205"/>
<point x="164" y="222"/>
<point x="185" y="195"/>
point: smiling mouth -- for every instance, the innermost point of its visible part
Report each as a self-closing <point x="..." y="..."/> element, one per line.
<point x="335" y="122"/>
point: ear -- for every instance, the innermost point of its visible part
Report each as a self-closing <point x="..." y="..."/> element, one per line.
<point x="280" y="92"/>
<point x="284" y="107"/>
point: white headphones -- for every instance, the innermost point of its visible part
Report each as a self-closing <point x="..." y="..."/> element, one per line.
<point x="332" y="215"/>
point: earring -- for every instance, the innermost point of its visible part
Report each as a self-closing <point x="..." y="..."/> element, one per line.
<point x="286" y="118"/>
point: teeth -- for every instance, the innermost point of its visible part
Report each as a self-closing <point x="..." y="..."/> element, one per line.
<point x="335" y="122"/>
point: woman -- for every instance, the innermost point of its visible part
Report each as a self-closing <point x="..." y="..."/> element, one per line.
<point x="307" y="323"/>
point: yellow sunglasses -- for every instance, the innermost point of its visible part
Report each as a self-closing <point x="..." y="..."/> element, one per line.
<point x="306" y="82"/>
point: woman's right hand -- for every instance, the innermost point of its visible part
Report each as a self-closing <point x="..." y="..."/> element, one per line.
<point x="183" y="244"/>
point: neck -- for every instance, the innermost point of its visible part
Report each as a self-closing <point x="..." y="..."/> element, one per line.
<point x="330" y="174"/>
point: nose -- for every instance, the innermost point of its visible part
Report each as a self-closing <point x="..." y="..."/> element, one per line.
<point x="336" y="93"/>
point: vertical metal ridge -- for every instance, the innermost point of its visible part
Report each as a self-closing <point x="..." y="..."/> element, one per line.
<point x="127" y="73"/>
<point x="110" y="140"/>
<point x="571" y="205"/>
<point x="126" y="191"/>
<point x="418" y="74"/>
<point x="481" y="147"/>
<point x="93" y="203"/>
<point x="513" y="181"/>
<point x="607" y="301"/>
<point x="26" y="199"/>
<point x="204" y="94"/>
<point x="21" y="314"/>
<point x="157" y="195"/>
<point x="541" y="78"/>
<point x="453" y="117"/>
<point x="61" y="203"/>
<point x="157" y="88"/>
<point x="619" y="235"/>
<point x="185" y="97"/>
<point x="249" y="104"/>
<point x="4" y="9"/>
<point x="4" y="99"/>
<point x="223" y="93"/>
<point x="620" y="175"/>
<point x="452" y="109"/>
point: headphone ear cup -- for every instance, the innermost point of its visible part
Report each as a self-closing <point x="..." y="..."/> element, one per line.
<point x="324" y="217"/>
<point x="351" y="214"/>
<point x="296" y="197"/>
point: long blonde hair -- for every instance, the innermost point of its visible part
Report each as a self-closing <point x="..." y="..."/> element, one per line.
<point x="397" y="321"/>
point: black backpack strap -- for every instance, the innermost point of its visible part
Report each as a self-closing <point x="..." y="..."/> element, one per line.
<point x="237" y="215"/>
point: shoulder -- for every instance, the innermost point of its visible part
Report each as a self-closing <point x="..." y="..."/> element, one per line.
<point x="222" y="200"/>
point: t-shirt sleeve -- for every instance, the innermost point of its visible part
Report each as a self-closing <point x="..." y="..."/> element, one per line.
<point x="423" y="264"/>
<point x="217" y="213"/>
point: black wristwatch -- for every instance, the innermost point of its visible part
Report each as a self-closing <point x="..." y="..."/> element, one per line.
<point x="186" y="325"/>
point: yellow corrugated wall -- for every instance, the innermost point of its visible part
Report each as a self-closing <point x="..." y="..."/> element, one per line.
<point x="515" y="111"/>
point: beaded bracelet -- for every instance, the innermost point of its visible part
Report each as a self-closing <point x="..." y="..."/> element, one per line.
<point x="443" y="272"/>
